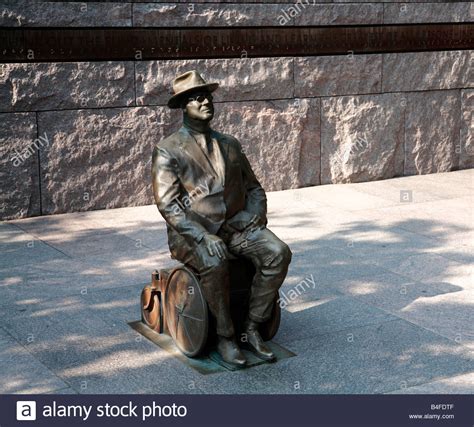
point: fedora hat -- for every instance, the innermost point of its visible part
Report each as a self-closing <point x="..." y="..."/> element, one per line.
<point x="186" y="83"/>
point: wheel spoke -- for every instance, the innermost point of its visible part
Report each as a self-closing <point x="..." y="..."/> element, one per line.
<point x="191" y="317"/>
<point x="187" y="334"/>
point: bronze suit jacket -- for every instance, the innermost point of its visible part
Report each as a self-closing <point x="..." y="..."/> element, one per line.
<point x="192" y="197"/>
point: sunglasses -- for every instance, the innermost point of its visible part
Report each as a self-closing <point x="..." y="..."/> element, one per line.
<point x="201" y="98"/>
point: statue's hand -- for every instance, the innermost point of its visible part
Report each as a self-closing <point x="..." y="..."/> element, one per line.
<point x="215" y="246"/>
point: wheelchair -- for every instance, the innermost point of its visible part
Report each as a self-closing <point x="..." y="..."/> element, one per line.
<point x="173" y="304"/>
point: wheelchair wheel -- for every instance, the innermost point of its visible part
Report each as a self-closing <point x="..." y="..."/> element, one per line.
<point x="150" y="308"/>
<point x="186" y="311"/>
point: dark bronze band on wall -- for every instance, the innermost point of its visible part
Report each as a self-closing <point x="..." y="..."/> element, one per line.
<point x="65" y="44"/>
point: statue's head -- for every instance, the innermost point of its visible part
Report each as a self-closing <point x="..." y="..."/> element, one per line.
<point x="193" y="95"/>
<point x="198" y="105"/>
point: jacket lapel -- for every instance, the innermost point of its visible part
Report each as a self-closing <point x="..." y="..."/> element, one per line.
<point x="193" y="150"/>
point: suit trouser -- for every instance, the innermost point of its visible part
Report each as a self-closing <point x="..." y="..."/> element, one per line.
<point x="270" y="257"/>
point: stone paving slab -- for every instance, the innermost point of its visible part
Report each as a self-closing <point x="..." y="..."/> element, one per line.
<point x="461" y="384"/>
<point x="29" y="284"/>
<point x="94" y="242"/>
<point x="301" y="321"/>
<point x="22" y="372"/>
<point x="390" y="291"/>
<point x="347" y="199"/>
<point x="367" y="240"/>
<point x="441" y="307"/>
<point x="325" y="274"/>
<point x="9" y="232"/>
<point x="428" y="219"/>
<point x="390" y="309"/>
<point x="423" y="192"/>
<point x="119" y="304"/>
<point x="23" y="249"/>
<point x="447" y="314"/>
<point x="94" y="354"/>
<point x="247" y="381"/>
<point x="370" y="359"/>
<point x="422" y="266"/>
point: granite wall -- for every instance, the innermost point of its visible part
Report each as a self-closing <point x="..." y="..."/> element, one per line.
<point x="78" y="136"/>
<point x="198" y="13"/>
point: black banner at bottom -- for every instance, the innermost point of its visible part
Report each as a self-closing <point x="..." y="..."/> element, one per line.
<point x="241" y="410"/>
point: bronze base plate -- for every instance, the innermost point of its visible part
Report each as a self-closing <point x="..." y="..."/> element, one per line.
<point x="206" y="364"/>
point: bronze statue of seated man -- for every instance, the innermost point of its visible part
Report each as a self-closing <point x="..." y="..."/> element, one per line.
<point x="215" y="209"/>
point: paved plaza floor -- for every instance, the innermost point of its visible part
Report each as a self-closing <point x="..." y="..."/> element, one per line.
<point x="384" y="303"/>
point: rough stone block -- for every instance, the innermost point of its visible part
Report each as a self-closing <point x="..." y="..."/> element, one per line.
<point x="42" y="86"/>
<point x="432" y="132"/>
<point x="361" y="138"/>
<point x="19" y="195"/>
<point x="245" y="1"/>
<point x="203" y="15"/>
<point x="426" y="71"/>
<point x="466" y="149"/>
<point x="240" y="79"/>
<point x="280" y="138"/>
<point x="28" y="13"/>
<point x="100" y="158"/>
<point x="289" y="2"/>
<point x="337" y="75"/>
<point x="338" y="14"/>
<point x="245" y="14"/>
<point x="402" y="13"/>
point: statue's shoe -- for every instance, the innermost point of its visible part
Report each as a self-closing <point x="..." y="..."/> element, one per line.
<point x="256" y="344"/>
<point x="230" y="352"/>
